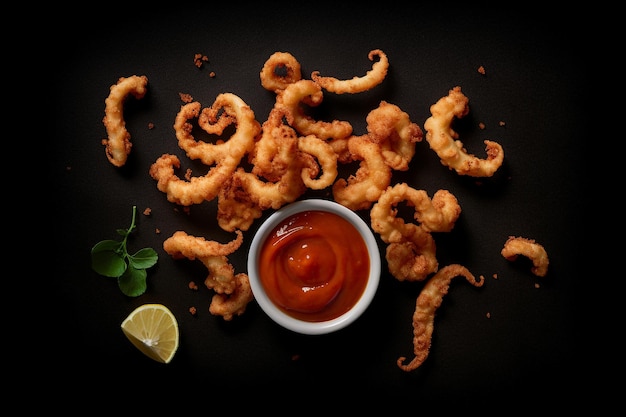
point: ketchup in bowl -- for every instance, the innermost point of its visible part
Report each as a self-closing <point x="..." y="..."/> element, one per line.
<point x="314" y="262"/>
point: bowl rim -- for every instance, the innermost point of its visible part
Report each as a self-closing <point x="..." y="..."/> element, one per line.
<point x="281" y="317"/>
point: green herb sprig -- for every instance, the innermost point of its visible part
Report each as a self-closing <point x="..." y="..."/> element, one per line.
<point x="110" y="258"/>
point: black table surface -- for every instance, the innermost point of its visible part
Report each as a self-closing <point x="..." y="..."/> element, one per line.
<point x="514" y="338"/>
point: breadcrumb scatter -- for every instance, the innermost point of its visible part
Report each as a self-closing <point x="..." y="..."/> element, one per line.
<point x="481" y="125"/>
<point x="481" y="70"/>
<point x="193" y="286"/>
<point x="495" y="276"/>
<point x="147" y="211"/>
<point x="212" y="74"/>
<point x="157" y="231"/>
<point x="501" y="123"/>
<point x="193" y="311"/>
<point x="537" y="285"/>
<point x="186" y="98"/>
<point x="150" y="125"/>
<point x="199" y="60"/>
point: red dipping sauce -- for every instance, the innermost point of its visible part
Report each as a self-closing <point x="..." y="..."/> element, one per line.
<point x="314" y="265"/>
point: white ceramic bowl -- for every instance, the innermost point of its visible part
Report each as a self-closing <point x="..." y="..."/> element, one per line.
<point x="280" y="316"/>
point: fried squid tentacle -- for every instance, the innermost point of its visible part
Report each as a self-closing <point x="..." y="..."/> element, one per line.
<point x="529" y="248"/>
<point x="306" y="92"/>
<point x="234" y="304"/>
<point x="428" y="301"/>
<point x="393" y="130"/>
<point x="444" y="140"/>
<point x="181" y="244"/>
<point x="232" y="291"/>
<point x="362" y="189"/>
<point x="413" y="258"/>
<point x="118" y="144"/>
<point x="374" y="77"/>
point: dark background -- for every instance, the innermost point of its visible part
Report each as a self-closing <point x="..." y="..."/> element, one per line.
<point x="534" y="82"/>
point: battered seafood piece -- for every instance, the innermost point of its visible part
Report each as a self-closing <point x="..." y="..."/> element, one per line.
<point x="515" y="246"/>
<point x="444" y="140"/>
<point x="229" y="306"/>
<point x="309" y="93"/>
<point x="414" y="257"/>
<point x="181" y="244"/>
<point x="223" y="158"/>
<point x="436" y="215"/>
<point x="373" y="77"/>
<point x="427" y="302"/>
<point x="280" y="70"/>
<point x="373" y="176"/>
<point x="233" y="291"/>
<point x="393" y="130"/>
<point x="118" y="144"/>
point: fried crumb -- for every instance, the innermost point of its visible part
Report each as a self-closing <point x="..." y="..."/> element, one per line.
<point x="193" y="311"/>
<point x="188" y="174"/>
<point x="193" y="285"/>
<point x="186" y="98"/>
<point x="212" y="74"/>
<point x="536" y="285"/>
<point x="147" y="211"/>
<point x="157" y="231"/>
<point x="488" y="315"/>
<point x="495" y="276"/>
<point x="481" y="70"/>
<point x="481" y="125"/>
<point x="482" y="277"/>
<point x="199" y="60"/>
<point x="501" y="123"/>
<point x="150" y="125"/>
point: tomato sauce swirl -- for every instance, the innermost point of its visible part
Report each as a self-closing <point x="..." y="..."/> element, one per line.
<point x="314" y="265"/>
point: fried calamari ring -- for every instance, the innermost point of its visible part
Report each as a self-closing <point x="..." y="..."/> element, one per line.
<point x="231" y="109"/>
<point x="280" y="70"/>
<point x="118" y="145"/>
<point x="372" y="177"/>
<point x="309" y="93"/>
<point x="392" y="129"/>
<point x="414" y="257"/>
<point x="229" y="306"/>
<point x="197" y="189"/>
<point x="325" y="154"/>
<point x="373" y="77"/>
<point x="444" y="140"/>
<point x="427" y="302"/>
<point x="436" y="215"/>
<point x="225" y="110"/>
<point x="529" y="248"/>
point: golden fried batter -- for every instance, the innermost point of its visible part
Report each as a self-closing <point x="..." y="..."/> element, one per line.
<point x="427" y="302"/>
<point x="118" y="144"/>
<point x="515" y="246"/>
